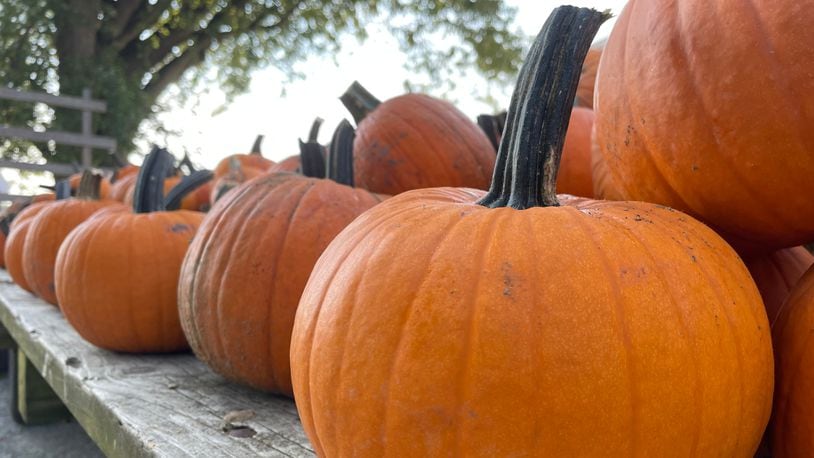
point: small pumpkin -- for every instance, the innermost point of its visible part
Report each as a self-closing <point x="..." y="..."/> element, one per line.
<point x="415" y="141"/>
<point x="517" y="323"/>
<point x="253" y="160"/>
<point x="117" y="273"/>
<point x="50" y="227"/>
<point x="13" y="248"/>
<point x="246" y="268"/>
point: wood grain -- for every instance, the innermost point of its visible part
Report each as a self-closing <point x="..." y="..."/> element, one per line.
<point x="148" y="405"/>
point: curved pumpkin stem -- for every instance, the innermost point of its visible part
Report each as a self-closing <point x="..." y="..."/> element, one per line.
<point x="149" y="192"/>
<point x="89" y="185"/>
<point x="256" y="146"/>
<point x="340" y="157"/>
<point x="62" y="189"/>
<point x="492" y="126"/>
<point x="529" y="155"/>
<point x="314" y="132"/>
<point x="312" y="160"/>
<point x="188" y="184"/>
<point x="359" y="101"/>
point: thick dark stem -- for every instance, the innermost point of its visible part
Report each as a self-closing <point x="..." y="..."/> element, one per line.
<point x="314" y="132"/>
<point x="149" y="193"/>
<point x="256" y="146"/>
<point x="340" y="157"/>
<point x="5" y="223"/>
<point x="185" y="187"/>
<point x="186" y="163"/>
<point x="312" y="160"/>
<point x="62" y="189"/>
<point x="359" y="101"/>
<point x="529" y="155"/>
<point x="492" y="126"/>
<point x="89" y="185"/>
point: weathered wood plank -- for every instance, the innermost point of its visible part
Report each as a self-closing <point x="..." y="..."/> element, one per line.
<point x="64" y="138"/>
<point x="77" y="103"/>
<point x="147" y="405"/>
<point x="55" y="168"/>
<point x="37" y="403"/>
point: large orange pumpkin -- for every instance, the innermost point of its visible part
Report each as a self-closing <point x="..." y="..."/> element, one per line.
<point x="587" y="80"/>
<point x="50" y="227"/>
<point x="575" y="175"/>
<point x="776" y="273"/>
<point x="117" y="273"/>
<point x="793" y="417"/>
<point x="449" y="321"/>
<point x="705" y="106"/>
<point x="13" y="248"/>
<point x="415" y="141"/>
<point x="246" y="268"/>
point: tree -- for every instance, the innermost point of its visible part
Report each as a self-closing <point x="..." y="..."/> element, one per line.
<point x="129" y="51"/>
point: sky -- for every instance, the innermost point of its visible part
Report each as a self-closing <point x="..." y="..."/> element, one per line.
<point x="208" y="133"/>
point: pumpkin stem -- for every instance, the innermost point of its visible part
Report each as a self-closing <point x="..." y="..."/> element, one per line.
<point x="492" y="126"/>
<point x="149" y="193"/>
<point x="340" y="156"/>
<point x="89" y="185"/>
<point x="359" y="101"/>
<point x="4" y="225"/>
<point x="528" y="158"/>
<point x="314" y="132"/>
<point x="312" y="160"/>
<point x="188" y="184"/>
<point x="256" y="146"/>
<point x="62" y="189"/>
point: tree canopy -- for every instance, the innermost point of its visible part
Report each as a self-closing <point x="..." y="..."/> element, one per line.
<point x="129" y="51"/>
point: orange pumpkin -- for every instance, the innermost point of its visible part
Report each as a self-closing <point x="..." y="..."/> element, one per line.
<point x="50" y="227"/>
<point x="792" y="421"/>
<point x="692" y="115"/>
<point x="289" y="164"/>
<point x="132" y="260"/>
<point x="125" y="171"/>
<point x="122" y="187"/>
<point x="514" y="324"/>
<point x="415" y="141"/>
<point x="191" y="193"/>
<point x="587" y="80"/>
<point x="13" y="248"/>
<point x="253" y="160"/>
<point x="575" y="175"/>
<point x="246" y="268"/>
<point x="776" y="273"/>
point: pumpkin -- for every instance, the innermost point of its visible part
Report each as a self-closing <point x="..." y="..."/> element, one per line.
<point x="253" y="160"/>
<point x="776" y="273"/>
<point x="587" y="80"/>
<point x="247" y="265"/>
<point x="514" y="323"/>
<point x="692" y="115"/>
<point x="50" y="227"/>
<point x="13" y="248"/>
<point x="76" y="178"/>
<point x="415" y="141"/>
<point x="792" y="421"/>
<point x="124" y="171"/>
<point x="575" y="175"/>
<point x="132" y="261"/>
<point x="123" y="186"/>
<point x="191" y="193"/>
<point x="289" y="164"/>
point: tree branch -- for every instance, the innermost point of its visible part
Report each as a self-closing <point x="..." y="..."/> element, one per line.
<point x="144" y="18"/>
<point x="125" y="10"/>
<point x="171" y="72"/>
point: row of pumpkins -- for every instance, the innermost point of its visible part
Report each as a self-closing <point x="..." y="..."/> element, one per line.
<point x="504" y="322"/>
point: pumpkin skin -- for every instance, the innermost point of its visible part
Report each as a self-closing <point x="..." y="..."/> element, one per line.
<point x="792" y="421"/>
<point x="289" y="164"/>
<point x="13" y="248"/>
<point x="122" y="187"/>
<point x="244" y="161"/>
<point x="133" y="261"/>
<point x="575" y="175"/>
<point x="45" y="235"/>
<point x="587" y="81"/>
<point x="685" y="122"/>
<point x="238" y="293"/>
<point x="514" y="323"/>
<point x="416" y="141"/>
<point x="776" y="273"/>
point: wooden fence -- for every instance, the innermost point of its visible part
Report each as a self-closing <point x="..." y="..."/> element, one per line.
<point x="86" y="140"/>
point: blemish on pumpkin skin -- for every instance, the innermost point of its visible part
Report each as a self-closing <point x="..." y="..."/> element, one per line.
<point x="508" y="282"/>
<point x="179" y="228"/>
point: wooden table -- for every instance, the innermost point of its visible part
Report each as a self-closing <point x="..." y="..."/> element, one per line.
<point x="148" y="405"/>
